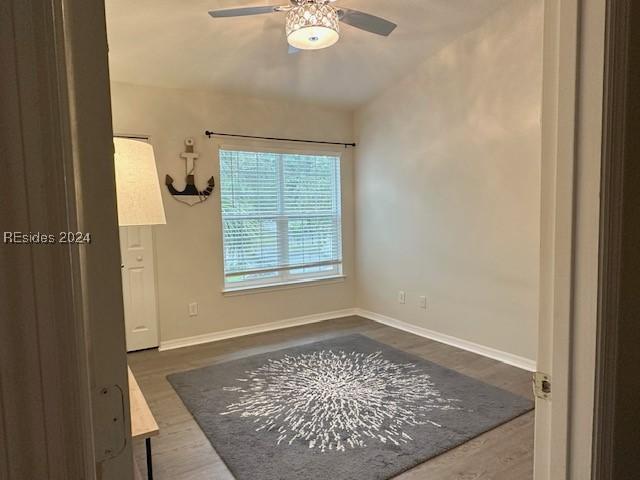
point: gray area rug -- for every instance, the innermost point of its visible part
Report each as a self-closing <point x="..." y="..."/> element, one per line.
<point x="345" y="408"/>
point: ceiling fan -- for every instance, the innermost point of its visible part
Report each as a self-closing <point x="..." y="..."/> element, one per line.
<point x="314" y="24"/>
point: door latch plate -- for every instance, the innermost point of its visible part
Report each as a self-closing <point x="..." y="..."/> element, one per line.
<point x="109" y="422"/>
<point x="542" y="385"/>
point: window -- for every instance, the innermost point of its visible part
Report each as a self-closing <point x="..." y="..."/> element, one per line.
<point x="281" y="217"/>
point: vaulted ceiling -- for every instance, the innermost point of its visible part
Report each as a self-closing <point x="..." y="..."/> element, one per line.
<point x="175" y="43"/>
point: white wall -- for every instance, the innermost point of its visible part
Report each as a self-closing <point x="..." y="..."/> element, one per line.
<point x="189" y="248"/>
<point x="447" y="193"/>
<point x="448" y="187"/>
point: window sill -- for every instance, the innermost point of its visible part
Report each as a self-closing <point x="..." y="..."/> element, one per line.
<point x="268" y="287"/>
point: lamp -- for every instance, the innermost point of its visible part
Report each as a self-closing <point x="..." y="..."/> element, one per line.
<point x="137" y="185"/>
<point x="312" y="26"/>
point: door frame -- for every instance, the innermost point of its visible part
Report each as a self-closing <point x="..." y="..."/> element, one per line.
<point x="586" y="137"/>
<point x="611" y="236"/>
<point x="62" y="325"/>
<point x="91" y="140"/>
<point x="574" y="45"/>
<point x="617" y="384"/>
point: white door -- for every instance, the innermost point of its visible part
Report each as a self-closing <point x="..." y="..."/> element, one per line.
<point x="139" y="287"/>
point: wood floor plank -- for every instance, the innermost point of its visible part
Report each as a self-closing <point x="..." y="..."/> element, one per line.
<point x="182" y="452"/>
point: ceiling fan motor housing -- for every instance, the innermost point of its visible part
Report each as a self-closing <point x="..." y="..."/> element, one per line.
<point x="299" y="3"/>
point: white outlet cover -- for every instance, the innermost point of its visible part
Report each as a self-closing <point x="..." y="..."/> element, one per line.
<point x="193" y="309"/>
<point x="401" y="296"/>
<point x="422" y="301"/>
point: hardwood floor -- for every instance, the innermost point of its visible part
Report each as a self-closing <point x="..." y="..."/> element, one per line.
<point x="182" y="452"/>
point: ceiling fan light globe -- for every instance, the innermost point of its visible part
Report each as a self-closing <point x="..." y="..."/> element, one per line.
<point x="312" y="27"/>
<point x="313" y="38"/>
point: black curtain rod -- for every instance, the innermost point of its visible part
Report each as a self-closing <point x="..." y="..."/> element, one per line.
<point x="210" y="134"/>
<point x="131" y="137"/>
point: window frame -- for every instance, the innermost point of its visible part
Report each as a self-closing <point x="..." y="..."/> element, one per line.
<point x="283" y="278"/>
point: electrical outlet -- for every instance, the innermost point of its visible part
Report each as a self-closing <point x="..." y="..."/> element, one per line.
<point x="422" y="302"/>
<point x="401" y="297"/>
<point x="193" y="309"/>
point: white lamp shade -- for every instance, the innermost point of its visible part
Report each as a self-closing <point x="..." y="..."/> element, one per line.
<point x="137" y="185"/>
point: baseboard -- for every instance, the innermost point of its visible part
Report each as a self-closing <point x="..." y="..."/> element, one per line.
<point x="509" y="358"/>
<point x="264" y="327"/>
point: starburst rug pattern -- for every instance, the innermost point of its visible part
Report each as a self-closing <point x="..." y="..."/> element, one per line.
<point x="345" y="408"/>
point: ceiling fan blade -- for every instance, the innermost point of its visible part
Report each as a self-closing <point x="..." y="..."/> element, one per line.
<point x="366" y="21"/>
<point x="293" y="50"/>
<point x="241" y="12"/>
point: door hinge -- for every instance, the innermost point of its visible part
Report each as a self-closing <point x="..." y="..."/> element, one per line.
<point x="109" y="422"/>
<point x="542" y="385"/>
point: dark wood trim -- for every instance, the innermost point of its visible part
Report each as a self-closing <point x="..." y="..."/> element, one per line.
<point x="618" y="274"/>
<point x="615" y="92"/>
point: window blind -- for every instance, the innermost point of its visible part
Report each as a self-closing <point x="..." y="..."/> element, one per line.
<point x="280" y="214"/>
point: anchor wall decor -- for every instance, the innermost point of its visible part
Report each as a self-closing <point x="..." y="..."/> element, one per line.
<point x="190" y="195"/>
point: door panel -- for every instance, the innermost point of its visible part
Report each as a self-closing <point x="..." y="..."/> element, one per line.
<point x="138" y="287"/>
